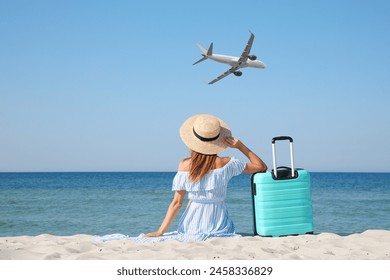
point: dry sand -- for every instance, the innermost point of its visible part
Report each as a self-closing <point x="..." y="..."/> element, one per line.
<point x="371" y="244"/>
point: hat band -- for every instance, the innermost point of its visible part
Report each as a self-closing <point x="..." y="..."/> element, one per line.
<point x="204" y="139"/>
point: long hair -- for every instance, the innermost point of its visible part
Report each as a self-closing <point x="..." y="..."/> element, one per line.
<point x="200" y="165"/>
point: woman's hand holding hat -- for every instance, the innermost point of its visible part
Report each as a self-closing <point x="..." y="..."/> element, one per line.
<point x="255" y="164"/>
<point x="232" y="142"/>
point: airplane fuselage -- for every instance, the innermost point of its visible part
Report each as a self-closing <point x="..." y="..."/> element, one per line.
<point x="233" y="61"/>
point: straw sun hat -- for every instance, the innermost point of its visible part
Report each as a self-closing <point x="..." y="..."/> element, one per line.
<point x="205" y="134"/>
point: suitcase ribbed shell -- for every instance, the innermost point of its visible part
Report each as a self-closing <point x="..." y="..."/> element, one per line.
<point x="282" y="207"/>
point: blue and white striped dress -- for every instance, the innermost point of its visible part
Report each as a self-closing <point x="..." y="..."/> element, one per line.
<point x="206" y="215"/>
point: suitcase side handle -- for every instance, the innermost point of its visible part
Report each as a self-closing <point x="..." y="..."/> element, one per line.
<point x="282" y="138"/>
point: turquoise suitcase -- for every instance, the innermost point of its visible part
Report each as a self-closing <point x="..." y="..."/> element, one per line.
<point x="282" y="199"/>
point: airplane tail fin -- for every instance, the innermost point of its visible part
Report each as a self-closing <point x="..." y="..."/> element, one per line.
<point x="210" y="50"/>
<point x="205" y="53"/>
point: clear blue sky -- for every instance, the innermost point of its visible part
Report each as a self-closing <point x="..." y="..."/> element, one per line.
<point x="105" y="85"/>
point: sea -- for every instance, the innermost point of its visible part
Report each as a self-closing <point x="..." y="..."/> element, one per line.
<point x="130" y="203"/>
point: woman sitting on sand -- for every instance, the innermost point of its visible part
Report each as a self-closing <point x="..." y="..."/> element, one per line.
<point x="204" y="176"/>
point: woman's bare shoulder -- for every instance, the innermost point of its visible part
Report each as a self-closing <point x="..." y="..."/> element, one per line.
<point x="184" y="165"/>
<point x="221" y="162"/>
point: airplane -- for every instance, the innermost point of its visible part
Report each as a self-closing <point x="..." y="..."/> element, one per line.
<point x="236" y="63"/>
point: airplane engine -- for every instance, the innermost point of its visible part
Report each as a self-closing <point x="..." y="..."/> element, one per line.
<point x="237" y="73"/>
<point x="252" y="57"/>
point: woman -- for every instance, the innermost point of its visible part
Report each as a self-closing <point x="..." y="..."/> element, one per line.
<point x="204" y="176"/>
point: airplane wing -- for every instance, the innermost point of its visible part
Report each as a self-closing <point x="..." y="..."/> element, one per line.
<point x="228" y="72"/>
<point x="245" y="53"/>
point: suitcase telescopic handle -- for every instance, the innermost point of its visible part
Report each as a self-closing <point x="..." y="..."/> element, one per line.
<point x="282" y="138"/>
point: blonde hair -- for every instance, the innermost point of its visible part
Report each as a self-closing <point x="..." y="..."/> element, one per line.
<point x="200" y="165"/>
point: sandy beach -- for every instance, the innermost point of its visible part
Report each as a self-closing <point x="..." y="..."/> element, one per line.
<point x="369" y="245"/>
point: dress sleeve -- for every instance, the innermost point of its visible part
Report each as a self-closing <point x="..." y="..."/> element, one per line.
<point x="179" y="182"/>
<point x="235" y="167"/>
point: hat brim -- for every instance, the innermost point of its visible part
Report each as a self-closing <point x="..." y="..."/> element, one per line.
<point x="195" y="144"/>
